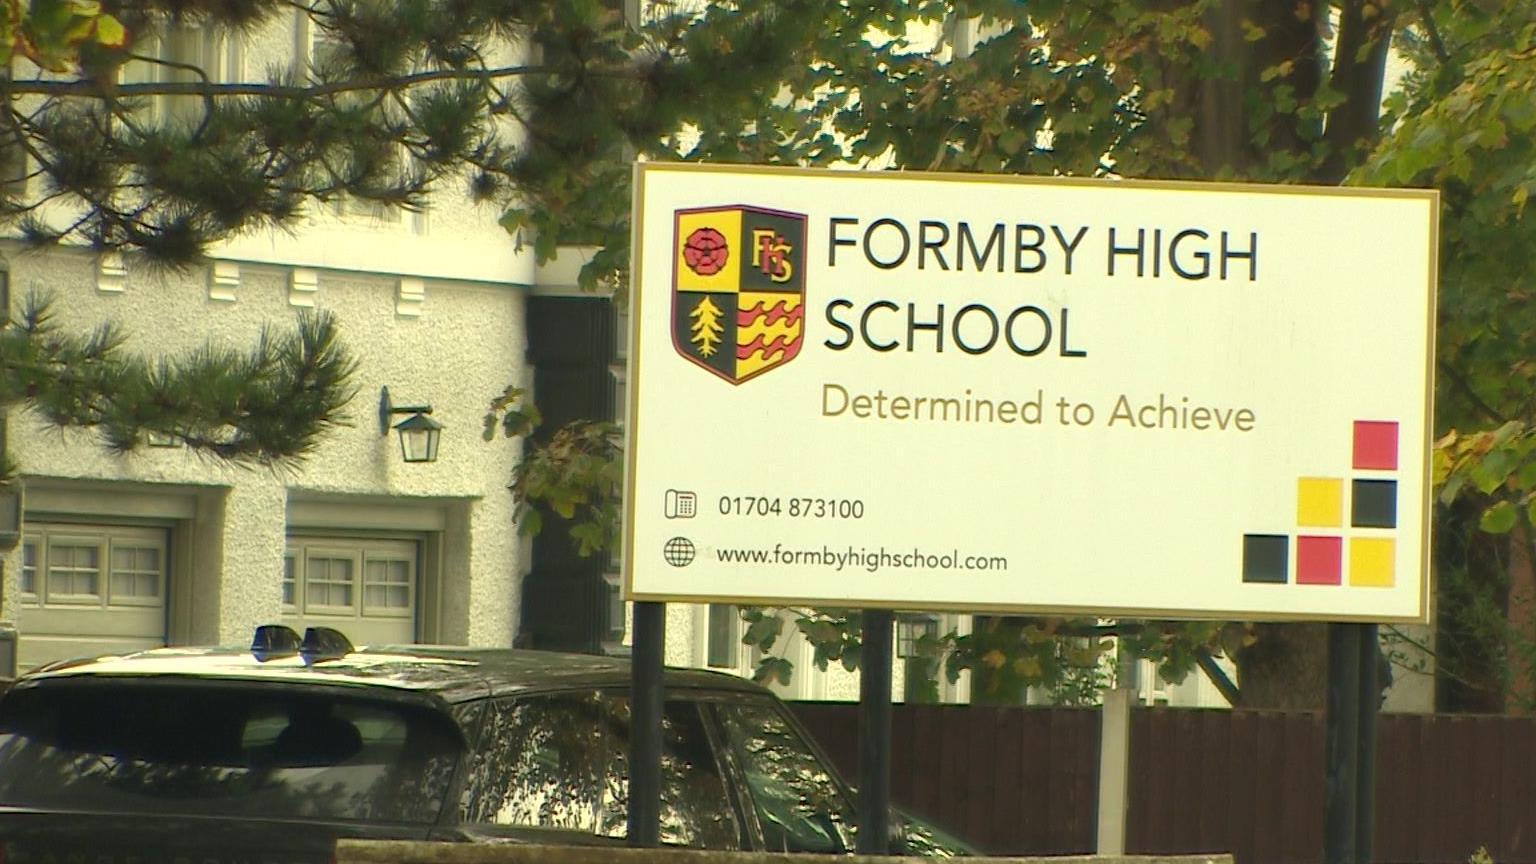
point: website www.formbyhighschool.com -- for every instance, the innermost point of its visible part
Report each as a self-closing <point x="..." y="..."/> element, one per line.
<point x="852" y="558"/>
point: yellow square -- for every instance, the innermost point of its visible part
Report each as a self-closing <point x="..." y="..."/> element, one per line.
<point x="1320" y="502"/>
<point x="1371" y="561"/>
<point x="720" y="270"/>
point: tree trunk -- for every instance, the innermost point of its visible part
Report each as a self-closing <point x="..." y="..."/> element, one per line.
<point x="1287" y="668"/>
<point x="1520" y="612"/>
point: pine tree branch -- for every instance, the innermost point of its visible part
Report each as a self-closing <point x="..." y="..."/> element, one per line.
<point x="268" y="407"/>
<point x="212" y="89"/>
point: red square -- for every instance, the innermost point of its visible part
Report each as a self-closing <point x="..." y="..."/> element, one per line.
<point x="1319" y="560"/>
<point x="1376" y="445"/>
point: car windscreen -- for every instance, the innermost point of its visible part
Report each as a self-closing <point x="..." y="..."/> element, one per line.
<point x="166" y="748"/>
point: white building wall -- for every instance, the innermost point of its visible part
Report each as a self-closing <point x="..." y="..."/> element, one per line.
<point x="456" y="350"/>
<point x="432" y="305"/>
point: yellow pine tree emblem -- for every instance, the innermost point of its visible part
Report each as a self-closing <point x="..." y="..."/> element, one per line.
<point x="706" y="328"/>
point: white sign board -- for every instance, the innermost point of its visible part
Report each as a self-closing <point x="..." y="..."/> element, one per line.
<point x="925" y="391"/>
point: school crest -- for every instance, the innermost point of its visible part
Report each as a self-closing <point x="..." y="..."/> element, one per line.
<point x="738" y="289"/>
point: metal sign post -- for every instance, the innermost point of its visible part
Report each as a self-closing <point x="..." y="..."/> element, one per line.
<point x="875" y="735"/>
<point x="1342" y="747"/>
<point x="647" y="697"/>
<point x="1350" y="771"/>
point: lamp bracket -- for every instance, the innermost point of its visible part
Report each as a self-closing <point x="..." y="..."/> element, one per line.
<point x="388" y="410"/>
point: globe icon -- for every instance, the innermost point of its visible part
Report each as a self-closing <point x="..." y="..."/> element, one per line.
<point x="679" y="551"/>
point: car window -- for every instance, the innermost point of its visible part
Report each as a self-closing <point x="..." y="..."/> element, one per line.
<point x="696" y="807"/>
<point x="538" y="762"/>
<point x="142" y="747"/>
<point x="799" y="804"/>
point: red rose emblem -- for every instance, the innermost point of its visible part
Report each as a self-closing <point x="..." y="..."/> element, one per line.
<point x="705" y="251"/>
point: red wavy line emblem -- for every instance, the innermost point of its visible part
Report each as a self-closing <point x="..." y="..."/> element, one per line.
<point x="780" y="345"/>
<point x="746" y="317"/>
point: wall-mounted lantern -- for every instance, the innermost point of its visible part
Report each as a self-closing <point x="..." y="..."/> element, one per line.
<point x="419" y="433"/>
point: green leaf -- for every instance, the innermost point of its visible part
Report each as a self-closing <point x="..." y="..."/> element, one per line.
<point x="110" y="31"/>
<point x="773" y="669"/>
<point x="1498" y="519"/>
<point x="1493" y="470"/>
<point x="851" y="656"/>
<point x="531" y="522"/>
<point x="1525" y="478"/>
<point x="764" y="632"/>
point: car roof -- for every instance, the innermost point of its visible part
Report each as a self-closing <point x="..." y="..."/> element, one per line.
<point x="453" y="673"/>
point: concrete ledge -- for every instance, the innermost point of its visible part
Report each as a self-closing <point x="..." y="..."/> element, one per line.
<point x="400" y="852"/>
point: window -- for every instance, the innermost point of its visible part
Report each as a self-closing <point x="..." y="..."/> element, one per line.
<point x="321" y="57"/>
<point x="696" y="807"/>
<point x="365" y="587"/>
<point x="723" y="650"/>
<point x="135" y="574"/>
<point x="73" y="571"/>
<point x="138" y="747"/>
<point x="562" y="761"/>
<point x="330" y="580"/>
<point x="387" y="585"/>
<point x="799" y="804"/>
<point x="538" y="763"/>
<point x="74" y="566"/>
<point x="211" y="50"/>
<point x="29" y="571"/>
<point x="290" y="581"/>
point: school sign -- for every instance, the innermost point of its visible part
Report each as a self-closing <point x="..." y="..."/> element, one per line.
<point x="927" y="391"/>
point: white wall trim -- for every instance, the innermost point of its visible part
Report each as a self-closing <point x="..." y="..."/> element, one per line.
<point x="352" y="513"/>
<point x="303" y="285"/>
<point x="223" y="280"/>
<point x="410" y="297"/>
<point x="138" y="500"/>
<point x="111" y="273"/>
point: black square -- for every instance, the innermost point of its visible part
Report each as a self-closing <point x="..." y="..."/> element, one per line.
<point x="1266" y="558"/>
<point x="1375" y="504"/>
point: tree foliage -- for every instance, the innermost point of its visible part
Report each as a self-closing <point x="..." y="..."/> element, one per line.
<point x="411" y="96"/>
<point x="1286" y="91"/>
<point x="573" y="472"/>
<point x="268" y="406"/>
<point x="51" y="33"/>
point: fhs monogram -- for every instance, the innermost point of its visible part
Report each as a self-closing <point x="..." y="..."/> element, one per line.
<point x="738" y="289"/>
<point x="770" y="254"/>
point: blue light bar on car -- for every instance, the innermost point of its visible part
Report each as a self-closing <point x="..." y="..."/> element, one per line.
<point x="324" y="643"/>
<point x="274" y="641"/>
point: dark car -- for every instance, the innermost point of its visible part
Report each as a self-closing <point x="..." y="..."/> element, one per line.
<point x="271" y="754"/>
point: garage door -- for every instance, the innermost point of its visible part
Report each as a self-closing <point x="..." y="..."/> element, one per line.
<point x="90" y="589"/>
<point x="365" y="587"/>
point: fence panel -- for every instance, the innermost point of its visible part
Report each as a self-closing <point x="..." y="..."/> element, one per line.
<point x="1024" y="781"/>
<point x="1020" y="781"/>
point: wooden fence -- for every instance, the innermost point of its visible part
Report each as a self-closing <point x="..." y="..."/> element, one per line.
<point x="1024" y="780"/>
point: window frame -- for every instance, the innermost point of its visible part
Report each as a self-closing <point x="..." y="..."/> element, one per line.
<point x="749" y="833"/>
<point x="45" y="537"/>
<point x="33" y="597"/>
<point x="740" y="785"/>
<point x="354" y="584"/>
<point x="368" y="610"/>
<point x="53" y="544"/>
<point x="363" y="622"/>
<point x="350" y="210"/>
